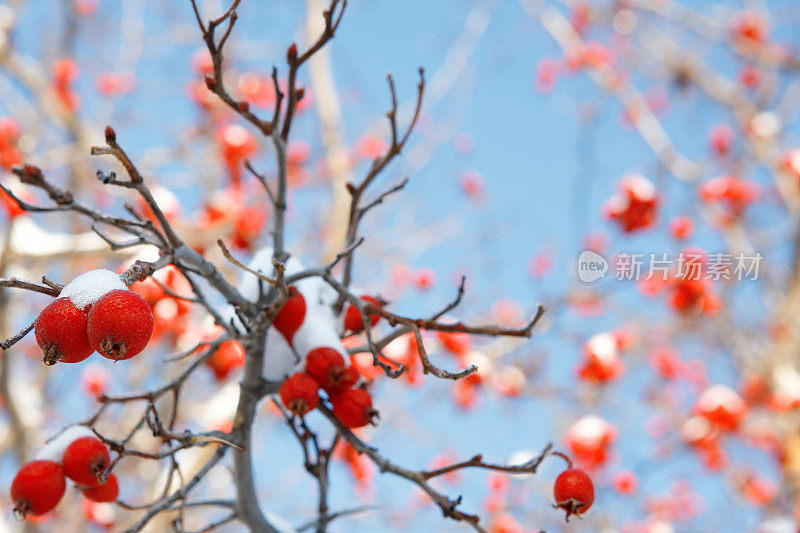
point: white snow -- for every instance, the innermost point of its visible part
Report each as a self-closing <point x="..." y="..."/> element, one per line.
<point x="54" y="449"/>
<point x="778" y="524"/>
<point x="319" y="327"/>
<point x="87" y="288"/>
<point x="639" y="186"/>
<point x="262" y="263"/>
<point x="218" y="408"/>
<point x="720" y="396"/>
<point x="279" y="359"/>
<point x="30" y="239"/>
<point x="603" y="346"/>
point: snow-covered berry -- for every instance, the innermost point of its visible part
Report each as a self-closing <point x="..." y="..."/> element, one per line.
<point x="290" y="317"/>
<point x="61" y="333"/>
<point x="120" y="324"/>
<point x="352" y="317"/>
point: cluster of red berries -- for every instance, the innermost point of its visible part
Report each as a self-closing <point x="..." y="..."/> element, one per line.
<point x="39" y="485"/>
<point x="731" y="193"/>
<point x="326" y="369"/>
<point x="107" y="318"/>
<point x="635" y="206"/>
<point x="325" y="366"/>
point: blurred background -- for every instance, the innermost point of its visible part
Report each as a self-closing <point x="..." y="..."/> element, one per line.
<point x="679" y="397"/>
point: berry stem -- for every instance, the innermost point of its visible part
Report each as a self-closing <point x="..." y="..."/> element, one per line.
<point x="563" y="456"/>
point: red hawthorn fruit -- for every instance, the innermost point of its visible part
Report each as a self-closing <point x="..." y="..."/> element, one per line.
<point x="721" y="138"/>
<point x="10" y="206"/>
<point x="546" y="74"/>
<point x="573" y="491"/>
<point x="625" y="482"/>
<point x="85" y="460"/>
<point x="94" y="380"/>
<point x="353" y="408"/>
<point x="299" y="393"/>
<point x="228" y="357"/>
<point x="589" y="439"/>
<point x="722" y="406"/>
<point x="247" y="225"/>
<point x="326" y="366"/>
<point x="635" y="207"/>
<point x="107" y="492"/>
<point x="256" y="89"/>
<point x="666" y="362"/>
<point x="455" y="343"/>
<point x="750" y="76"/>
<point x="732" y="193"/>
<point x="501" y="522"/>
<point x="61" y="333"/>
<point x="352" y="317"/>
<point x="291" y="316"/>
<point x="424" y="278"/>
<point x="370" y="146"/>
<point x="236" y="144"/>
<point x="749" y="27"/>
<point x="681" y="227"/>
<point x="37" y="488"/>
<point x="601" y="359"/>
<point x="346" y="379"/>
<point x="120" y="325"/>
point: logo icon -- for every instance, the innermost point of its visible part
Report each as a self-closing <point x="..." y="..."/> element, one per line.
<point x="591" y="266"/>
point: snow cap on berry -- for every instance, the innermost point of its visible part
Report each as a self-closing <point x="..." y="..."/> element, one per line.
<point x="87" y="288"/>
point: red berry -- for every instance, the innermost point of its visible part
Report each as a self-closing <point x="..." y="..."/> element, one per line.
<point x="37" y="488"/>
<point x="681" y="227"/>
<point x="107" y="492"/>
<point x="353" y="408"/>
<point x="61" y="333"/>
<point x="352" y="318"/>
<point x="120" y="324"/>
<point x="625" y="482"/>
<point x="229" y="356"/>
<point x="325" y="365"/>
<point x="343" y="381"/>
<point x="574" y="491"/>
<point x="299" y="393"/>
<point x="290" y="317"/>
<point x="85" y="460"/>
<point x="455" y="343"/>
